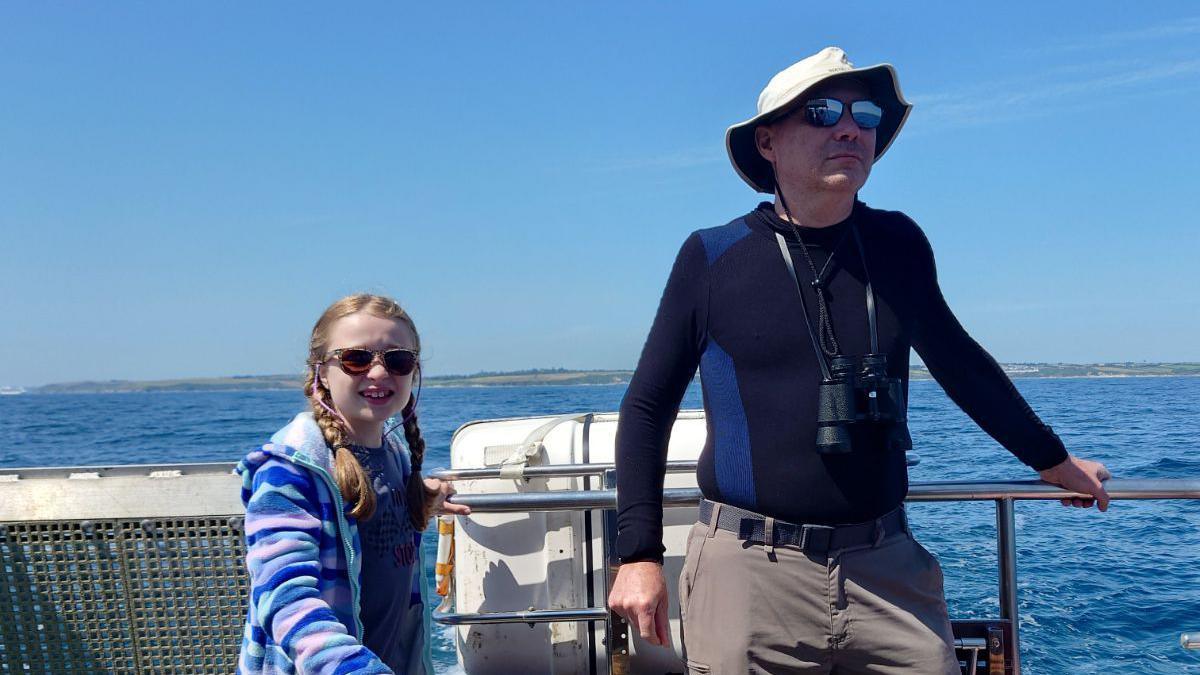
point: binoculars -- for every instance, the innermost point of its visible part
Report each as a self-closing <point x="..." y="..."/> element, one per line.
<point x="859" y="391"/>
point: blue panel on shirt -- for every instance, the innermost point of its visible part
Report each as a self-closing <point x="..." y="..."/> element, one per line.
<point x="717" y="240"/>
<point x="731" y="433"/>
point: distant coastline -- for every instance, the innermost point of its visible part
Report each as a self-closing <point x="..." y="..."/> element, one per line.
<point x="560" y="376"/>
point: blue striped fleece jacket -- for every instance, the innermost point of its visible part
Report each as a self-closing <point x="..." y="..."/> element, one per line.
<point x="304" y="559"/>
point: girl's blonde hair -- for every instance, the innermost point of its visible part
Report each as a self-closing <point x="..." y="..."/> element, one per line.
<point x="348" y="473"/>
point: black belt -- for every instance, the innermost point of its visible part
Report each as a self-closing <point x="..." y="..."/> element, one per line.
<point x="818" y="539"/>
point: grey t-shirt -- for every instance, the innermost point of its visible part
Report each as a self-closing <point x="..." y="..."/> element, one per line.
<point x="390" y="547"/>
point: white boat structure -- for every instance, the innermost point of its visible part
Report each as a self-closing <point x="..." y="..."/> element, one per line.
<point x="140" y="569"/>
<point x="11" y="391"/>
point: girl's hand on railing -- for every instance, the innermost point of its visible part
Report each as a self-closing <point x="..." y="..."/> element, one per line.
<point x="436" y="492"/>
<point x="1080" y="475"/>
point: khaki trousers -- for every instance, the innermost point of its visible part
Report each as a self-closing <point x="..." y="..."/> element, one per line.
<point x="858" y="610"/>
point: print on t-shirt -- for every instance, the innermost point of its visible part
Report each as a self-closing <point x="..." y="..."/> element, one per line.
<point x="388" y="533"/>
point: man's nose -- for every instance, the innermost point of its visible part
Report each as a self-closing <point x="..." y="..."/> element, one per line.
<point x="846" y="128"/>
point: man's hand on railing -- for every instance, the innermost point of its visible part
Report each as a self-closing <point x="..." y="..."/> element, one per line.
<point x="1080" y="475"/>
<point x="639" y="594"/>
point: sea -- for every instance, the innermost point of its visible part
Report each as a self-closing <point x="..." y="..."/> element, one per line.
<point x="1098" y="592"/>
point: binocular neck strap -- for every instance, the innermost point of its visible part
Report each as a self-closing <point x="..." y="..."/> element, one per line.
<point x="872" y="321"/>
<point x="862" y="255"/>
<point x="791" y="268"/>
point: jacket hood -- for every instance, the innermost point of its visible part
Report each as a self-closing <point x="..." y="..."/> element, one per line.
<point x="302" y="442"/>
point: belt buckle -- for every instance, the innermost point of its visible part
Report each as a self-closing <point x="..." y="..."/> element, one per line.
<point x="816" y="538"/>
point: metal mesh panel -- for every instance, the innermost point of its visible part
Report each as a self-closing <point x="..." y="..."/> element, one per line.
<point x="122" y="596"/>
<point x="62" y="600"/>
<point x="188" y="589"/>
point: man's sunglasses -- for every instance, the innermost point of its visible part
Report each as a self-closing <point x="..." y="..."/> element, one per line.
<point x="825" y="112"/>
<point x="357" y="361"/>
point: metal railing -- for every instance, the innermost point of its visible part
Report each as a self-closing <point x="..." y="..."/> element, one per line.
<point x="1003" y="493"/>
<point x="550" y="471"/>
<point x="575" y="470"/>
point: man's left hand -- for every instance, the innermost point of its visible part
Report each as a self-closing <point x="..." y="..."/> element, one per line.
<point x="1080" y="475"/>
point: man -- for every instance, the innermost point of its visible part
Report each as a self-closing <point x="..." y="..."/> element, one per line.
<point x="802" y="560"/>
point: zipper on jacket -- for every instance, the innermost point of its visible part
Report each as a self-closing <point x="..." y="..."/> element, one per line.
<point x="344" y="526"/>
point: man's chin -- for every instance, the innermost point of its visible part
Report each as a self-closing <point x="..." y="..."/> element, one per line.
<point x="845" y="181"/>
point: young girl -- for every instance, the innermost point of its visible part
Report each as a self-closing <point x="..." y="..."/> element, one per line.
<point x="335" y="505"/>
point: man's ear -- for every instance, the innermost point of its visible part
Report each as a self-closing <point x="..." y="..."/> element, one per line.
<point x="762" y="141"/>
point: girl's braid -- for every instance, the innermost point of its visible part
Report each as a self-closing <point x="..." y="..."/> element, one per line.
<point x="419" y="497"/>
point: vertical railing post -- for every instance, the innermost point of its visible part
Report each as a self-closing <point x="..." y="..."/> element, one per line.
<point x="616" y="629"/>
<point x="1006" y="541"/>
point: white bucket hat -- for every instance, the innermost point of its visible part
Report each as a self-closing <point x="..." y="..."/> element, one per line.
<point x="789" y="85"/>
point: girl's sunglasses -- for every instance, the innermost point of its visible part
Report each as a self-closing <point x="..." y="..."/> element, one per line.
<point x="357" y="361"/>
<point x="825" y="112"/>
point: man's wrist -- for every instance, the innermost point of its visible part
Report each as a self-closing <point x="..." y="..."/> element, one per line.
<point x="642" y="559"/>
<point x="1052" y="462"/>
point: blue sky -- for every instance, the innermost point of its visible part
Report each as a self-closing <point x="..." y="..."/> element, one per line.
<point x="185" y="186"/>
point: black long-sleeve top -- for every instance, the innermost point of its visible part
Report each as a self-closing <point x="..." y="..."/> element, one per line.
<point x="731" y="309"/>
